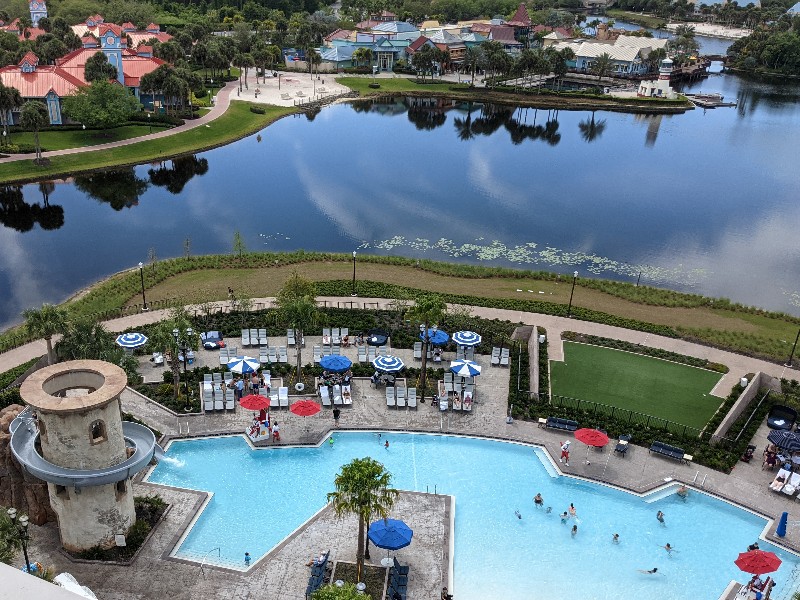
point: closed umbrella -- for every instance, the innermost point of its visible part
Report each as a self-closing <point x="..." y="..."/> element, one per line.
<point x="390" y="534"/>
<point x="758" y="562"/>
<point x="129" y="341"/>
<point x="785" y="440"/>
<point x="591" y="437"/>
<point x="466" y="338"/>
<point x="243" y="364"/>
<point x="335" y="363"/>
<point x="465" y="368"/>
<point x="388" y="364"/>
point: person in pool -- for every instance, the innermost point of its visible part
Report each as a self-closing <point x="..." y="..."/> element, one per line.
<point x="650" y="572"/>
<point x="615" y="538"/>
<point x="538" y="500"/>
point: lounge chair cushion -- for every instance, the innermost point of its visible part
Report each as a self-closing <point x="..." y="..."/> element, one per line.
<point x="563" y="424"/>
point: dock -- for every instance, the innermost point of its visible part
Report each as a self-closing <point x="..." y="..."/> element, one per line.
<point x="709" y="100"/>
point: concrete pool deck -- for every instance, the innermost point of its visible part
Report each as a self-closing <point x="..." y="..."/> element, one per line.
<point x="154" y="576"/>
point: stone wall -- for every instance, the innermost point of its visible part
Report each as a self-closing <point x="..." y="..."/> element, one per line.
<point x="743" y="402"/>
<point x="18" y="489"/>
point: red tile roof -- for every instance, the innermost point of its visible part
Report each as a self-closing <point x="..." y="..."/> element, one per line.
<point x="39" y="84"/>
<point x="368" y="24"/>
<point x="503" y="34"/>
<point x="338" y="34"/>
<point x="547" y="29"/>
<point x="129" y="25"/>
<point x="29" y="58"/>
<point x="134" y="68"/>
<point x="143" y="49"/>
<point x="416" y="44"/>
<point x="115" y="29"/>
<point x="481" y="28"/>
<point x="521" y="17"/>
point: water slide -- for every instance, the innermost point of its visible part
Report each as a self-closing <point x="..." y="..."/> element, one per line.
<point x="23" y="444"/>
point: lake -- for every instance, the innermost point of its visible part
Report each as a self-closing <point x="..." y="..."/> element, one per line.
<point x="703" y="202"/>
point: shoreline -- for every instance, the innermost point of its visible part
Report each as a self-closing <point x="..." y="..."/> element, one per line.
<point x="714" y="31"/>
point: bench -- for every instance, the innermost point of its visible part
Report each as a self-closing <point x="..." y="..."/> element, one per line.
<point x="562" y="424"/>
<point x="667" y="450"/>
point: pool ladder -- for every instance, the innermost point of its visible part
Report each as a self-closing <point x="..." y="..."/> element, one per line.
<point x="701" y="484"/>
<point x="180" y="427"/>
<point x="203" y="562"/>
<point x="428" y="491"/>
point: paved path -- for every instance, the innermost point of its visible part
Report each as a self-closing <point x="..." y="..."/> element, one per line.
<point x="223" y="101"/>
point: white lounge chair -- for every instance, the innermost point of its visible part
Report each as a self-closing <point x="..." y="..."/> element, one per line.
<point x="273" y="354"/>
<point x="283" y="397"/>
<point x="207" y="378"/>
<point x="336" y="336"/>
<point x="216" y="376"/>
<point x="263" y="338"/>
<point x="286" y="96"/>
<point x="282" y="355"/>
<point x="504" y="357"/>
<point x="371" y="353"/>
<point x="495" y="357"/>
<point x="263" y="355"/>
<point x="336" y="350"/>
<point x="417" y="350"/>
<point x="792" y="486"/>
<point x="461" y="353"/>
<point x="390" y="401"/>
<point x="466" y="404"/>
<point x="780" y="480"/>
<point x="223" y="356"/>
<point x="412" y="398"/>
<point x="317" y="354"/>
<point x="208" y="404"/>
<point x="448" y="381"/>
<point x="245" y="337"/>
<point x="290" y="341"/>
<point x="228" y="378"/>
<point x="347" y="395"/>
<point x="324" y="395"/>
<point x="230" y="402"/>
<point x="254" y="337"/>
<point x="218" y="403"/>
<point x="400" y="396"/>
<point x="362" y="354"/>
<point x="469" y="353"/>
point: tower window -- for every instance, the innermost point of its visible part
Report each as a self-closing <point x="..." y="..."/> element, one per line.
<point x="98" y="432"/>
<point x="121" y="488"/>
<point x="61" y="491"/>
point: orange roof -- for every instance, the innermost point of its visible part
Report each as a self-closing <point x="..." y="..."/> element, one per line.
<point x="41" y="82"/>
<point x="128" y="25"/>
<point x="115" y="29"/>
<point x="135" y="67"/>
<point x="143" y="49"/>
<point x="29" y="58"/>
<point x="339" y="34"/>
<point x="138" y="37"/>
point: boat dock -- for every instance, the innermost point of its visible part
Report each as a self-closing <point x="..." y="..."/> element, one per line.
<point x="709" y="100"/>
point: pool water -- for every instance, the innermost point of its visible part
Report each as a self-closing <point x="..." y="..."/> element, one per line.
<point x="261" y="496"/>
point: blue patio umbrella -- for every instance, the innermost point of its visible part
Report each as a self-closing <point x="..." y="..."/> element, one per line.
<point x="437" y="337"/>
<point x="390" y="534"/>
<point x="243" y="364"/>
<point x="388" y="364"/>
<point x="131" y="340"/>
<point x="465" y="368"/>
<point x="335" y="363"/>
<point x="466" y="338"/>
<point x="785" y="440"/>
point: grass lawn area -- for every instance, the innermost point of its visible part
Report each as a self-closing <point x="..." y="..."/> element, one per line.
<point x="399" y="84"/>
<point x="643" y="384"/>
<point x="61" y="140"/>
<point x="237" y="122"/>
<point x="635" y="17"/>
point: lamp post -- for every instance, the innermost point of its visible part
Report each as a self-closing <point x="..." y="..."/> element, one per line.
<point x="21" y="529"/>
<point x="794" y="347"/>
<point x="149" y="122"/>
<point x="184" y="346"/>
<point x="574" y="280"/>
<point x="5" y="134"/>
<point x="353" y="293"/>
<point x="141" y="274"/>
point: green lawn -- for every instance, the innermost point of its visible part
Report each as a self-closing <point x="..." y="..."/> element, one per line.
<point x="398" y="84"/>
<point x="639" y="383"/>
<point x="61" y="140"/>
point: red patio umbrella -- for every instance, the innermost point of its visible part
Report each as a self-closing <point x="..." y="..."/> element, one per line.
<point x="305" y="408"/>
<point x="591" y="437"/>
<point x="758" y="562"/>
<point x="254" y="402"/>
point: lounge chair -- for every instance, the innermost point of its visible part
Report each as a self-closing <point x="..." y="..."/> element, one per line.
<point x="371" y="355"/>
<point x="344" y="332"/>
<point x="780" y="480"/>
<point x="219" y="404"/>
<point x="504" y="356"/>
<point x="286" y="96"/>
<point x="466" y="404"/>
<point x="245" y="337"/>
<point x="347" y="396"/>
<point x="217" y="376"/>
<point x="283" y="397"/>
<point x="469" y="353"/>
<point x="495" y="357"/>
<point x="324" y="395"/>
<point x="230" y="401"/>
<point x="623" y="444"/>
<point x="326" y="333"/>
<point x="456" y="401"/>
<point x="461" y="352"/>
<point x="207" y="378"/>
<point x="400" y="393"/>
<point x="273" y="354"/>
<point x="283" y="357"/>
<point x="448" y="381"/>
<point x="336" y="337"/>
<point x="793" y="485"/>
<point x="254" y="337"/>
<point x="263" y="355"/>
<point x="390" y="401"/>
<point x="317" y="354"/>
<point x="158" y="359"/>
<point x="290" y="341"/>
<point x="223" y="356"/>
<point x="362" y="354"/>
<point x="417" y="350"/>
<point x="336" y="350"/>
<point x="208" y="404"/>
<point x="412" y="398"/>
<point x="263" y="338"/>
<point x="228" y="378"/>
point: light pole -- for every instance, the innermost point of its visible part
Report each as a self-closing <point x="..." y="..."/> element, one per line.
<point x="21" y="529"/>
<point x="184" y="347"/>
<point x="791" y="356"/>
<point x="149" y="122"/>
<point x="353" y="293"/>
<point x="574" y="280"/>
<point x="141" y="274"/>
<point x="5" y="134"/>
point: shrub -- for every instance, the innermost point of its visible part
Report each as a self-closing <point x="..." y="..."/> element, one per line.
<point x="162" y="118"/>
<point x="257" y="110"/>
<point x="20" y="149"/>
<point x="138" y="533"/>
<point x="202" y="93"/>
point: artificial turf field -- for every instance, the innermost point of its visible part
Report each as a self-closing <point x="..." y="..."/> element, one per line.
<point x="639" y="383"/>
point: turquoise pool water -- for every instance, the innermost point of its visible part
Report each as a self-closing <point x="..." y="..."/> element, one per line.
<point x="261" y="496"/>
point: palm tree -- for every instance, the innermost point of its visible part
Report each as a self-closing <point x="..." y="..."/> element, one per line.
<point x="297" y="305"/>
<point x="602" y="66"/>
<point x="474" y="59"/>
<point x="429" y="310"/>
<point x="10" y="99"/>
<point x="363" y="55"/>
<point x="34" y="117"/>
<point x="362" y="489"/>
<point x="46" y="322"/>
<point x="163" y="338"/>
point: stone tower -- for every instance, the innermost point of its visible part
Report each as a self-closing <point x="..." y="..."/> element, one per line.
<point x="83" y="456"/>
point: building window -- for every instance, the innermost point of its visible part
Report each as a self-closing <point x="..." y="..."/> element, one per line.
<point x="98" y="432"/>
<point x="42" y="430"/>
<point x="61" y="492"/>
<point x="121" y="488"/>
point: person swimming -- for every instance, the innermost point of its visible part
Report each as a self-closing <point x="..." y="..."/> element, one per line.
<point x="538" y="500"/>
<point x="564" y="517"/>
<point x="660" y="517"/>
<point x="615" y="538"/>
<point x="650" y="572"/>
<point x="516" y="512"/>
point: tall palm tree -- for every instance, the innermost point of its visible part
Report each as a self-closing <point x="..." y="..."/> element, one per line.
<point x="602" y="66"/>
<point x="297" y="305"/>
<point x="362" y="489"/>
<point x="428" y="310"/>
<point x="474" y="59"/>
<point x="46" y="322"/>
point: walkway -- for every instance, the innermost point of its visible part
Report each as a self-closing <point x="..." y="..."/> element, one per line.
<point x="222" y="103"/>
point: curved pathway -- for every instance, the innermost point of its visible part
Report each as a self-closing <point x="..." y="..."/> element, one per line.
<point x="223" y="101"/>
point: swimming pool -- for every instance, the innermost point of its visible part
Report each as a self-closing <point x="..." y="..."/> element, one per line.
<point x="496" y="554"/>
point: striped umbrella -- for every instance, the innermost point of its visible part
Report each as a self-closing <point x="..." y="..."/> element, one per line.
<point x="785" y="440"/>
<point x="388" y="364"/>
<point x="465" y="368"/>
<point x="466" y="338"/>
<point x="243" y="364"/>
<point x="131" y="340"/>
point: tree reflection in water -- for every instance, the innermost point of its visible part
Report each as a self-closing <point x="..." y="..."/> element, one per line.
<point x="591" y="129"/>
<point x="120" y="188"/>
<point x="21" y="216"/>
<point x="178" y="174"/>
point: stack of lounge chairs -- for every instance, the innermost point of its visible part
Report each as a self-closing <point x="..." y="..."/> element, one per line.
<point x="398" y="580"/>
<point x="217" y="396"/>
<point x="319" y="574"/>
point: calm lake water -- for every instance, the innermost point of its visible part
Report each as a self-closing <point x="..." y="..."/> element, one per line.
<point x="703" y="202"/>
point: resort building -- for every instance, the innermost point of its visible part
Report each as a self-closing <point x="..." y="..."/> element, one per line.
<point x="92" y="26"/>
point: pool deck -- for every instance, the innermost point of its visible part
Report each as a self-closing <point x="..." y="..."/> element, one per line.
<point x="154" y="575"/>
